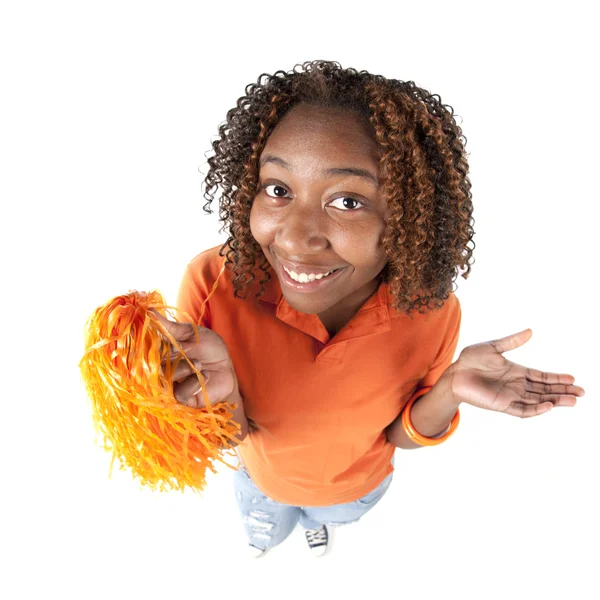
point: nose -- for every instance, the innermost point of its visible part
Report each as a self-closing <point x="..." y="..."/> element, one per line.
<point x="301" y="231"/>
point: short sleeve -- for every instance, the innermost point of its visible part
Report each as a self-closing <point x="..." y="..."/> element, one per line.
<point x="448" y="347"/>
<point x="193" y="291"/>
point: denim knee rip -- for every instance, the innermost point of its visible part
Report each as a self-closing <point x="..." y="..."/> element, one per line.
<point x="254" y="522"/>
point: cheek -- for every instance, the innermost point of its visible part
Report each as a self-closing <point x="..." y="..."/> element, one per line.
<point x="263" y="224"/>
<point x="368" y="252"/>
<point x="364" y="242"/>
<point x="257" y="225"/>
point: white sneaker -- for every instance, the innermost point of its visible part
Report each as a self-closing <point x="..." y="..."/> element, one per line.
<point x="256" y="552"/>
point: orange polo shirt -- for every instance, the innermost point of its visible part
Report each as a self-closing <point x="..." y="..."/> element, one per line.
<point x="325" y="402"/>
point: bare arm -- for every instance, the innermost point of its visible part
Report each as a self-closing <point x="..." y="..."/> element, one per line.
<point x="430" y="414"/>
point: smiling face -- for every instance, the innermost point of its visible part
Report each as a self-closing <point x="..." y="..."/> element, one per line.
<point x="318" y="208"/>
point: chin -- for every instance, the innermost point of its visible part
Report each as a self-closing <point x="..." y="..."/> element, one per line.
<point x="307" y="307"/>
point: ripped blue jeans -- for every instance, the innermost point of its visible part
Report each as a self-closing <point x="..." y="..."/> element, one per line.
<point x="268" y="522"/>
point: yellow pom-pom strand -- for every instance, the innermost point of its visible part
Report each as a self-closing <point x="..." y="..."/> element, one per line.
<point x="165" y="444"/>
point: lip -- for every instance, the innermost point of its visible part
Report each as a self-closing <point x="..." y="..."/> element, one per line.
<point x="300" y="268"/>
<point x="309" y="286"/>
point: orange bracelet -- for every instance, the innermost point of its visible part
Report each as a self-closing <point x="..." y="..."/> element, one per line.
<point x="416" y="437"/>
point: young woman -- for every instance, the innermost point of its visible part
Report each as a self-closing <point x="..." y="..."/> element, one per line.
<point x="334" y="324"/>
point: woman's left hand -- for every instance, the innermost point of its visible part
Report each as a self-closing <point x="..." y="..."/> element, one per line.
<point x="481" y="376"/>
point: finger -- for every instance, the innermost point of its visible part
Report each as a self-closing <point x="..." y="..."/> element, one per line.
<point x="174" y="331"/>
<point x="162" y="320"/>
<point x="546" y="377"/>
<point x="517" y="409"/>
<point x="184" y="370"/>
<point x="185" y="391"/>
<point x="510" y="342"/>
<point x="180" y="369"/>
<point x="553" y="388"/>
<point x="555" y="399"/>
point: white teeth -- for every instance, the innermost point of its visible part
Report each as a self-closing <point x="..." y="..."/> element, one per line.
<point x="304" y="277"/>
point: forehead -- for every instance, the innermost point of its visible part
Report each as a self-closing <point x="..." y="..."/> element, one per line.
<point x="329" y="134"/>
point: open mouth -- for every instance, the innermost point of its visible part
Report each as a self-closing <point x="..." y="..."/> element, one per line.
<point x="307" y="283"/>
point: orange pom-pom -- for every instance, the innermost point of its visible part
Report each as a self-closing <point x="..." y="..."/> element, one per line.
<point x="167" y="445"/>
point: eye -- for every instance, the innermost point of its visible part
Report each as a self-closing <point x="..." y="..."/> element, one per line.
<point x="278" y="192"/>
<point x="347" y="203"/>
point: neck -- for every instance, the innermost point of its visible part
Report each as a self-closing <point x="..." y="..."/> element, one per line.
<point x="336" y="317"/>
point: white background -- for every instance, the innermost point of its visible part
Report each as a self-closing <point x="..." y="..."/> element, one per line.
<point x="107" y="111"/>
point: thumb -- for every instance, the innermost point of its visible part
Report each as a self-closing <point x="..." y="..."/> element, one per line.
<point x="510" y="342"/>
<point x="173" y="329"/>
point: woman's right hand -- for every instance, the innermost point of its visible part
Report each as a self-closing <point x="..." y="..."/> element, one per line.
<point x="209" y="355"/>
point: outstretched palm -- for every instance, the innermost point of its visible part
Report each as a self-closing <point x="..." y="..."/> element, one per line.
<point x="483" y="377"/>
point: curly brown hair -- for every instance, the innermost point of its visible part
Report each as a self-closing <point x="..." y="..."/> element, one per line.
<point x="423" y="173"/>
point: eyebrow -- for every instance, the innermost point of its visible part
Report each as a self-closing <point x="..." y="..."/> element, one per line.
<point x="356" y="171"/>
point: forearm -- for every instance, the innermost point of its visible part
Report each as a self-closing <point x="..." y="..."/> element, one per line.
<point x="431" y="415"/>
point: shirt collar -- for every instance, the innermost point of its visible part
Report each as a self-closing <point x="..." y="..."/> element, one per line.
<point x="372" y="318"/>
